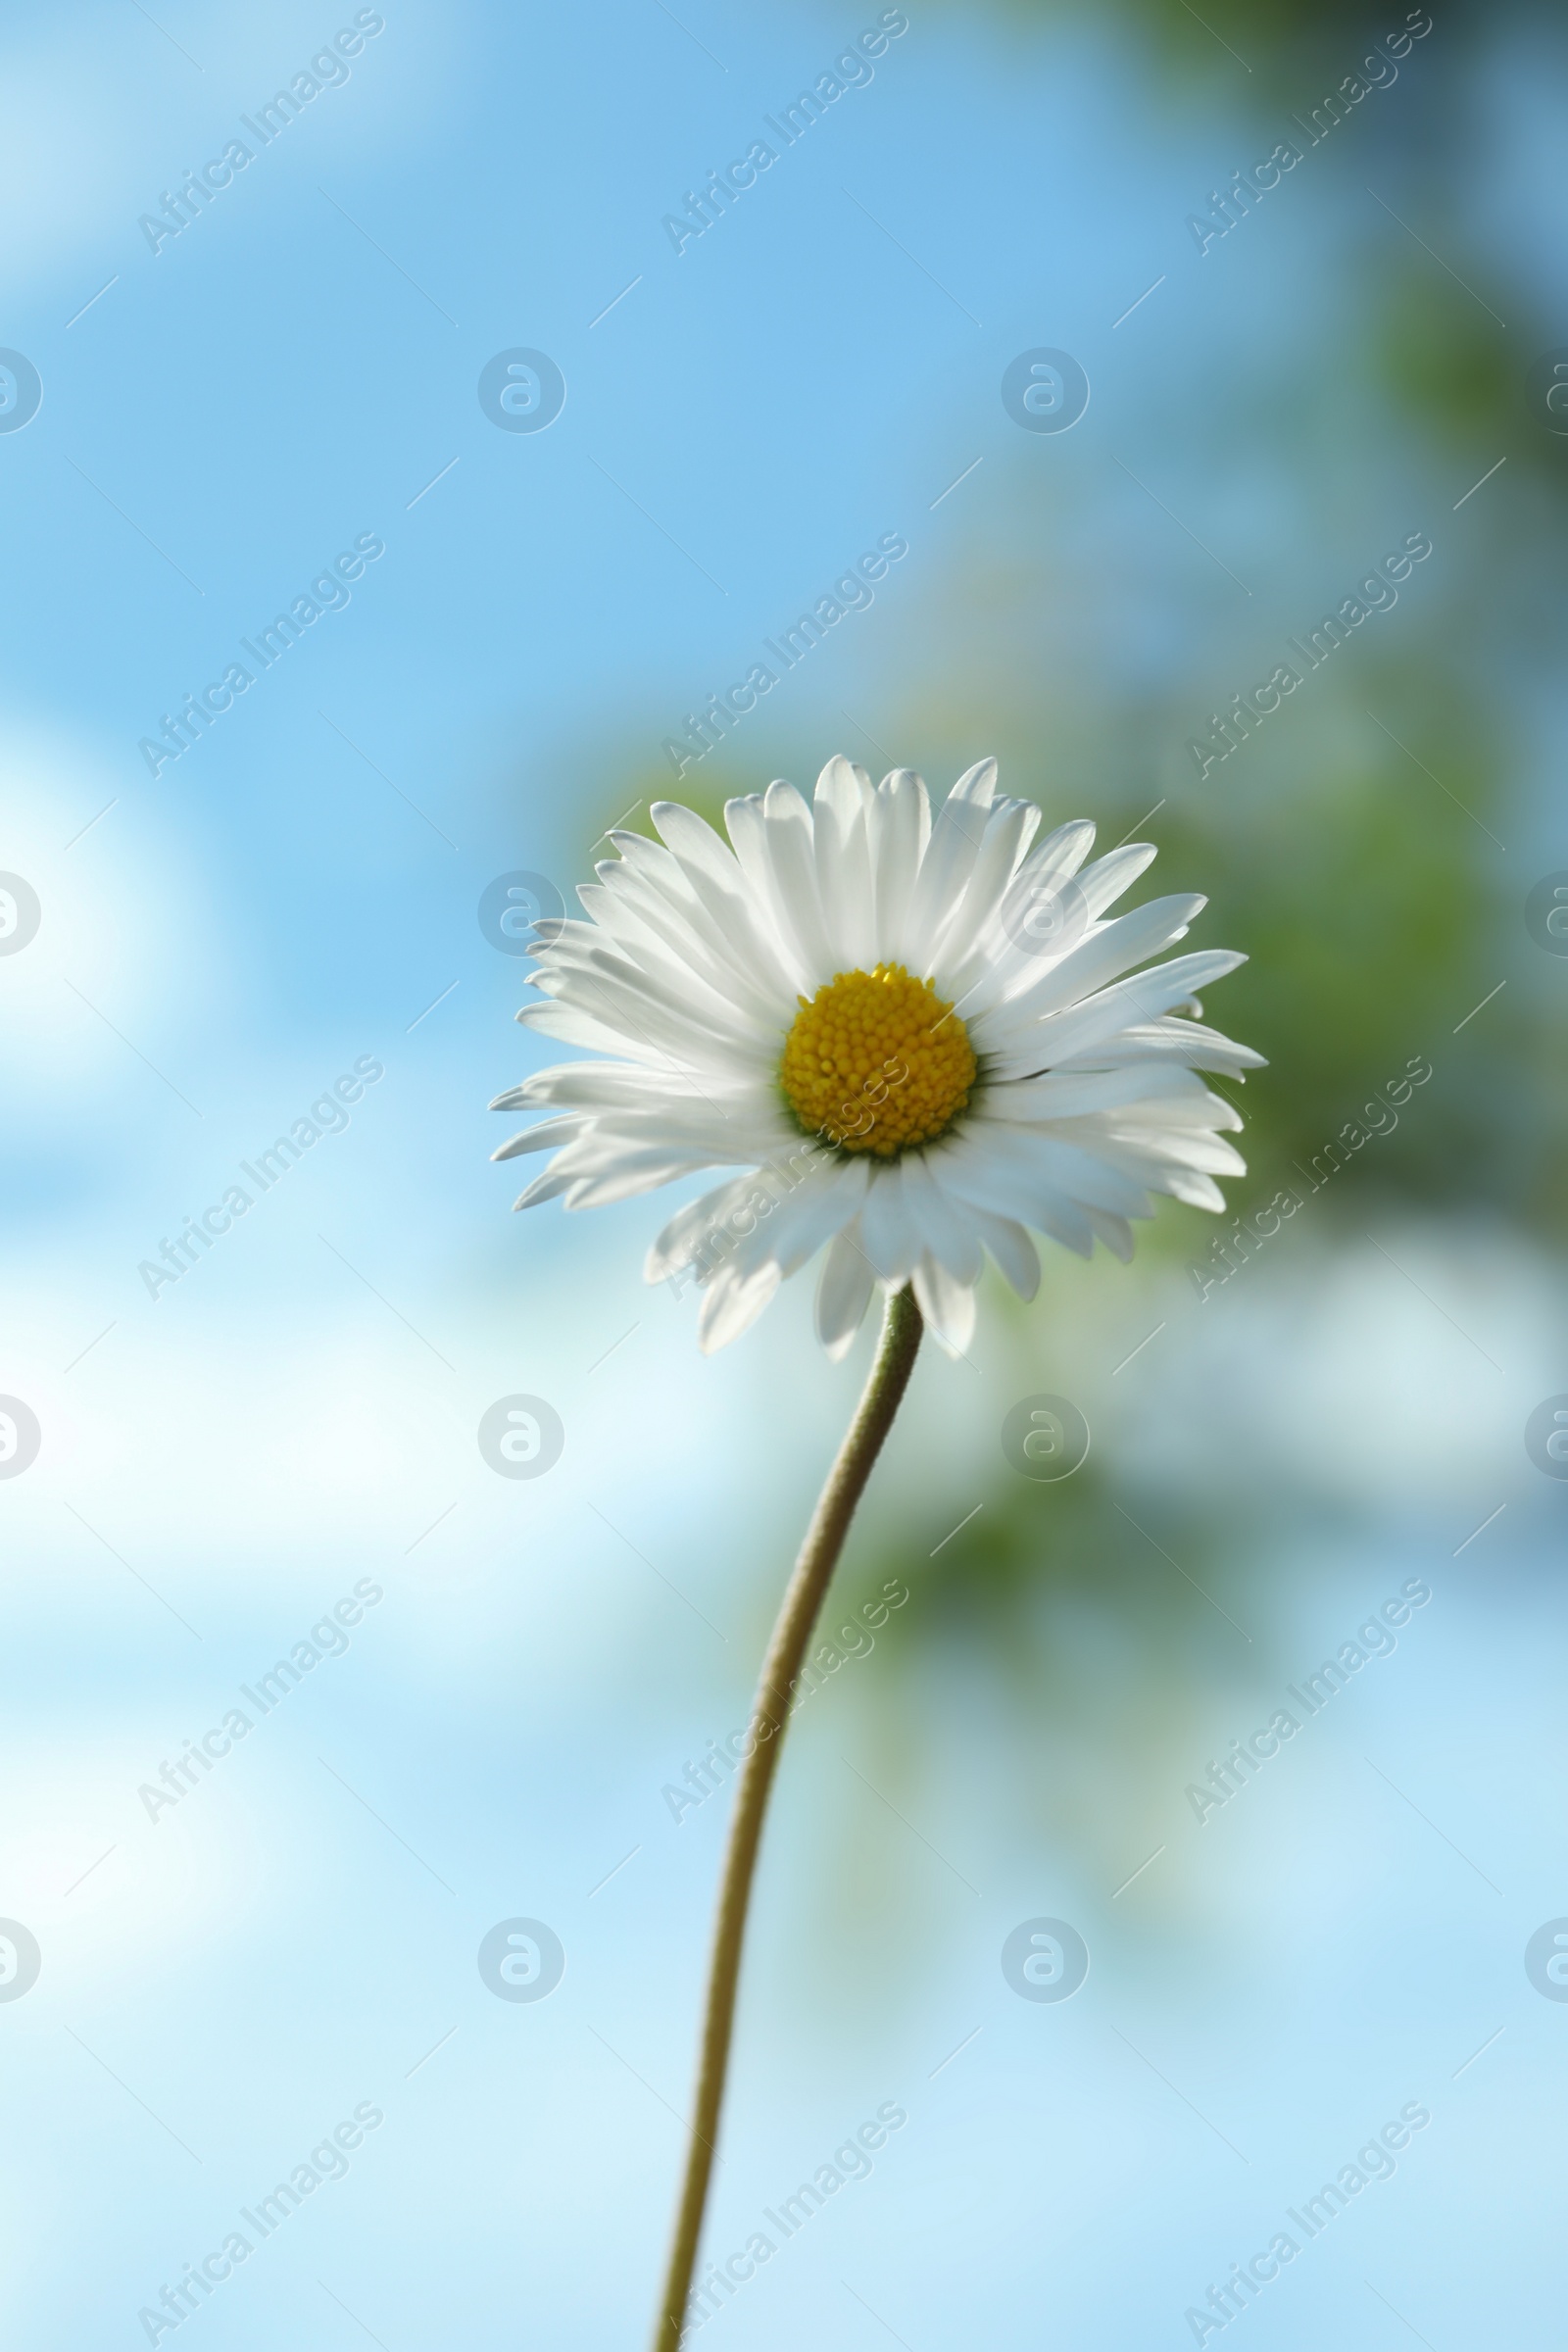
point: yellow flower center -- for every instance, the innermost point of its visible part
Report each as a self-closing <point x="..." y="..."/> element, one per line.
<point x="877" y="1061"/>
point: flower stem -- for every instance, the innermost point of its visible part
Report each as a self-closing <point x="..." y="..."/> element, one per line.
<point x="808" y="1589"/>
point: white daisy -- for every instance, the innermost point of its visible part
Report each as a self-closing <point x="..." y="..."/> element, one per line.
<point x="914" y="1036"/>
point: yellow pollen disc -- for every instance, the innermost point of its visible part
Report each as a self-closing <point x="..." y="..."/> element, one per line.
<point x="877" y="1061"/>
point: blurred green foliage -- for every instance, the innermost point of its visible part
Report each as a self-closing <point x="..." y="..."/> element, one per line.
<point x="1349" y="878"/>
<point x="1356" y="850"/>
<point x="1350" y="855"/>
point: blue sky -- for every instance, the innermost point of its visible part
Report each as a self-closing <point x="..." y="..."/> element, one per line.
<point x="296" y="372"/>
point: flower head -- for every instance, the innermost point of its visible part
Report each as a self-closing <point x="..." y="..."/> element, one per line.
<point x="919" y="1039"/>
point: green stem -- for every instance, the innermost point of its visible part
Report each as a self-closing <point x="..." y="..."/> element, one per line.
<point x="808" y="1589"/>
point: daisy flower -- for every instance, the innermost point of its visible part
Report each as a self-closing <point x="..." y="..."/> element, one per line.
<point x="920" y="1039"/>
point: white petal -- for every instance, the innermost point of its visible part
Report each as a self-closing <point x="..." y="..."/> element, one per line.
<point x="548" y="1187"/>
<point x="889" y="1234"/>
<point x="900" y="827"/>
<point x="623" y="1085"/>
<point x="1166" y="1114"/>
<point x="644" y="973"/>
<point x="843" y="865"/>
<point x="1065" y="1221"/>
<point x="629" y="1174"/>
<point x="1010" y="1245"/>
<point x="947" y="1305"/>
<point x="1193" y="1191"/>
<point x="977" y="783"/>
<point x="542" y="1138"/>
<point x="1013" y="1171"/>
<point x="1171" y="1041"/>
<point x="736" y="913"/>
<point x="1091" y="965"/>
<point x="817" y="1209"/>
<point x="689" y="1128"/>
<point x="637" y="1021"/>
<point x="999" y="963"/>
<point x="677" y="949"/>
<point x="949" y="861"/>
<point x="1059" y="856"/>
<point x="1144" y="996"/>
<point x="843" y="1293"/>
<point x="575" y="1027"/>
<point x="1008" y="835"/>
<point x="1173" y="1148"/>
<point x="748" y="830"/>
<point x="789" y="849"/>
<point x="944" y="1229"/>
<point x="1159" y="1088"/>
<point x="1114" y="1231"/>
<point x="1085" y="1176"/>
<point x="682" y="1240"/>
<point x="731" y="1304"/>
<point x="694" y="842"/>
<point x="687" y="967"/>
<point x="1102" y="884"/>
